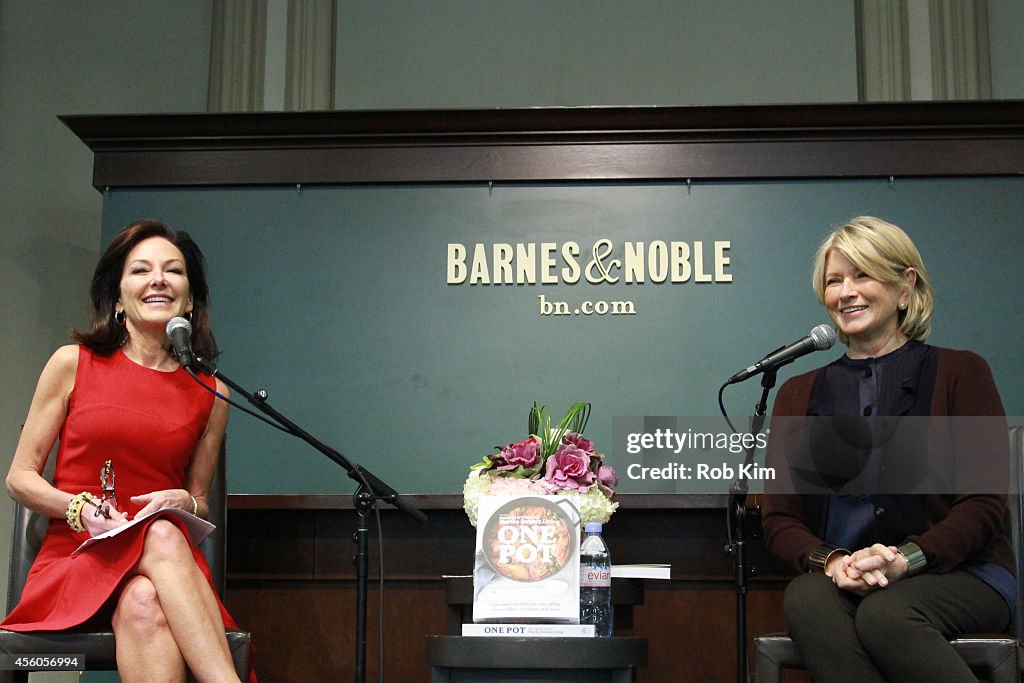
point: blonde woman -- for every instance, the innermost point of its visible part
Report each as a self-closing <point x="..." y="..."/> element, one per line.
<point x="887" y="579"/>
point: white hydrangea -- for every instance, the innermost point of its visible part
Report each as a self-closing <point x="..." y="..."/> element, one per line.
<point x="594" y="505"/>
<point x="478" y="484"/>
<point x="474" y="487"/>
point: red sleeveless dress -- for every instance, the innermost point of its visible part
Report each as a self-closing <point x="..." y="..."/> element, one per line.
<point x="147" y="423"/>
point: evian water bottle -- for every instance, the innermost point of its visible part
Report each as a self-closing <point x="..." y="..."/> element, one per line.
<point x="595" y="581"/>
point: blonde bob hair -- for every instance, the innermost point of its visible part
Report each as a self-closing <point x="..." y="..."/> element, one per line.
<point x="884" y="253"/>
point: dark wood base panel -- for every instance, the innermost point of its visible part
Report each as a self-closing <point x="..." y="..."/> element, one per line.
<point x="292" y="582"/>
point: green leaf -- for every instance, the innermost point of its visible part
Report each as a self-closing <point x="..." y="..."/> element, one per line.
<point x="484" y="464"/>
<point x="574" y="420"/>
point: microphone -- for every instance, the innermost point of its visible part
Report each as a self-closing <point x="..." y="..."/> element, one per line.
<point x="180" y="332"/>
<point x="821" y="337"/>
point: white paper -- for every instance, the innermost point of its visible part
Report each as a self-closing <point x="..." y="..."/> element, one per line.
<point x="641" y="571"/>
<point x="529" y="630"/>
<point x="198" y="528"/>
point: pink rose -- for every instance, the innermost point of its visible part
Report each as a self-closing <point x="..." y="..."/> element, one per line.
<point x="569" y="468"/>
<point x="607" y="476"/>
<point x="574" y="439"/>
<point x="523" y="454"/>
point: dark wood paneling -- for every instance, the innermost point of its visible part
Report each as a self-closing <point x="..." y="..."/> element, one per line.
<point x="305" y="630"/>
<point x="293" y="565"/>
<point x="569" y="144"/>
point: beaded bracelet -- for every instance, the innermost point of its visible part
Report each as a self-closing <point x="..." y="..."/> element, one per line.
<point x="74" y="511"/>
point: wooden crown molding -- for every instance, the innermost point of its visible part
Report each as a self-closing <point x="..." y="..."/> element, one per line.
<point x="912" y="139"/>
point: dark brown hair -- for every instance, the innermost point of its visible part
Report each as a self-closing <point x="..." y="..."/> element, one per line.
<point x="106" y="335"/>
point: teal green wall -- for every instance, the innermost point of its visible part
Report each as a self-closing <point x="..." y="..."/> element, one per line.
<point x="335" y="300"/>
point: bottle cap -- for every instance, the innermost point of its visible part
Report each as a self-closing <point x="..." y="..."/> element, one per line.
<point x="592" y="527"/>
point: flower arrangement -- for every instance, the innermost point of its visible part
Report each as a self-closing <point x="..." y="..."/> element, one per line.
<point x="554" y="460"/>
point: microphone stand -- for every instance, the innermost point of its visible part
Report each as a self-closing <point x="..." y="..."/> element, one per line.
<point x="737" y="520"/>
<point x="370" y="490"/>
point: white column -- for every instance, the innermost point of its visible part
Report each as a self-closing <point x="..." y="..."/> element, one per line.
<point x="923" y="50"/>
<point x="272" y="55"/>
<point x="237" y="55"/>
<point x="961" y="62"/>
<point x="311" y="35"/>
<point x="883" y="51"/>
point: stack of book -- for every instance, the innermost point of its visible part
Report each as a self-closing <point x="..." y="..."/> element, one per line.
<point x="510" y="630"/>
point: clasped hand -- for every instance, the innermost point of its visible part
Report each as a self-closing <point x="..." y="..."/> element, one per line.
<point x="150" y="502"/>
<point x="868" y="569"/>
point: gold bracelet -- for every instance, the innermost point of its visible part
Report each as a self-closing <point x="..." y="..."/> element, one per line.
<point x="819" y="557"/>
<point x="912" y="553"/>
<point x="74" y="511"/>
<point x="195" y="506"/>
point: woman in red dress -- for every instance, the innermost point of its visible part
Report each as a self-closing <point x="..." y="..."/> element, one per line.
<point x="120" y="396"/>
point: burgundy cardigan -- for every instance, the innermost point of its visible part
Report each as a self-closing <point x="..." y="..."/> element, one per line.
<point x="960" y="529"/>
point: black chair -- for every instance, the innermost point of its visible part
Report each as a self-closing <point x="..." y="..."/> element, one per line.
<point x="98" y="647"/>
<point x="998" y="657"/>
